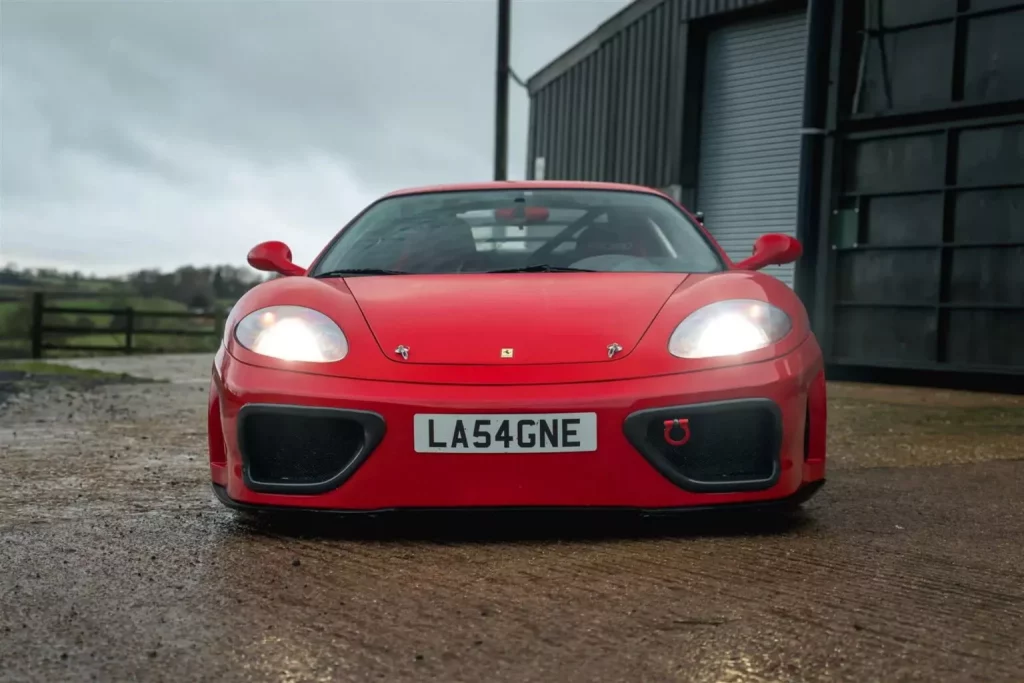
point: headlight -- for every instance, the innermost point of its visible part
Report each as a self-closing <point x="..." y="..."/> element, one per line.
<point x="727" y="328"/>
<point x="292" y="333"/>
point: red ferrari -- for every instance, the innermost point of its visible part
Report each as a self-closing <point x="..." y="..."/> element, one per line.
<point x="519" y="344"/>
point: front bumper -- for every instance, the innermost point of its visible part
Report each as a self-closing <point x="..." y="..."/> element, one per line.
<point x="621" y="473"/>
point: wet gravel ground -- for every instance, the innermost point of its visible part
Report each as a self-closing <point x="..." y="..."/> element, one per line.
<point x="117" y="564"/>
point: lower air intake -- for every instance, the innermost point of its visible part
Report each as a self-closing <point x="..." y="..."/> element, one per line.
<point x="293" y="449"/>
<point x="712" y="447"/>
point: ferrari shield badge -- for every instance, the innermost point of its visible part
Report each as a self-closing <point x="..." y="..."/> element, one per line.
<point x="506" y="353"/>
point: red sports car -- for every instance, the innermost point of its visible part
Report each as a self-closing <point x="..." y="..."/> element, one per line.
<point x="519" y="344"/>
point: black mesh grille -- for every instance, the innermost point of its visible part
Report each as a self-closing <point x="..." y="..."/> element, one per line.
<point x="732" y="445"/>
<point x="290" y="448"/>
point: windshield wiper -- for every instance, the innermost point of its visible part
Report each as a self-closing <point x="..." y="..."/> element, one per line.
<point x="360" y="271"/>
<point x="543" y="268"/>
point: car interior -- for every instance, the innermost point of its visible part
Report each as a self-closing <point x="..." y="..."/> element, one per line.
<point x="613" y="239"/>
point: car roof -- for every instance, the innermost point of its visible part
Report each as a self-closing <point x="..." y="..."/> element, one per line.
<point x="525" y="185"/>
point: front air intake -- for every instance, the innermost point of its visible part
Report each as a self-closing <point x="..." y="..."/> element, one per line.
<point x="712" y="447"/>
<point x="303" y="450"/>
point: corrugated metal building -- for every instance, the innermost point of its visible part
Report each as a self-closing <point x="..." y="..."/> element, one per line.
<point x="887" y="135"/>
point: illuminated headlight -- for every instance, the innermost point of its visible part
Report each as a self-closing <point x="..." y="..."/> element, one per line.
<point x="727" y="328"/>
<point x="292" y="333"/>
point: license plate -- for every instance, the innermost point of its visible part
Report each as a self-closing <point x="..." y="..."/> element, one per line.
<point x="523" y="433"/>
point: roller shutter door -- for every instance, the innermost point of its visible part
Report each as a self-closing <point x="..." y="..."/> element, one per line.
<point x="750" y="133"/>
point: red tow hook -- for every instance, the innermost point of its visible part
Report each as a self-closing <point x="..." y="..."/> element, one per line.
<point x="684" y="425"/>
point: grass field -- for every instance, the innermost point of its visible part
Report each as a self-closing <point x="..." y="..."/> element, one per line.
<point x="37" y="368"/>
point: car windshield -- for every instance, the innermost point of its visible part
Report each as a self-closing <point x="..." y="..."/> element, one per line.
<point x="480" y="231"/>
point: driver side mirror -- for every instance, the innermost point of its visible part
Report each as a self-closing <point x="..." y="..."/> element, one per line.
<point x="772" y="250"/>
<point x="274" y="257"/>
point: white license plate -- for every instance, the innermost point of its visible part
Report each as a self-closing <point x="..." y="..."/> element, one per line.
<point x="522" y="433"/>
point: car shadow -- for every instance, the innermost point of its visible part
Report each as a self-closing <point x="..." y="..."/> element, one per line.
<point x="521" y="526"/>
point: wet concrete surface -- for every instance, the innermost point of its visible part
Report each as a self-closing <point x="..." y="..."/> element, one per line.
<point x="116" y="563"/>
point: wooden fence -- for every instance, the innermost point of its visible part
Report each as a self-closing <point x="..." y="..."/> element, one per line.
<point x="129" y="324"/>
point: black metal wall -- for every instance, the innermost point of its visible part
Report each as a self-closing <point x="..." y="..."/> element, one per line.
<point x="924" y="266"/>
<point x="612" y="107"/>
<point x="918" y="259"/>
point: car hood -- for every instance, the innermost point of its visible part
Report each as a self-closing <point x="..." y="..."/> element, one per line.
<point x="511" y="319"/>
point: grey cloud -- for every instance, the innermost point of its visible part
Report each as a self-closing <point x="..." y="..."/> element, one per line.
<point x="155" y="133"/>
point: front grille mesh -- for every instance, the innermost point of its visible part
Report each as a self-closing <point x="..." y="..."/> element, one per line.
<point x="732" y="444"/>
<point x="295" y="449"/>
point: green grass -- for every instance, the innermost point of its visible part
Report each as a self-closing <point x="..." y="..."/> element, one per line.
<point x="35" y="367"/>
<point x="145" y="343"/>
<point x="15" y="348"/>
<point x="138" y="302"/>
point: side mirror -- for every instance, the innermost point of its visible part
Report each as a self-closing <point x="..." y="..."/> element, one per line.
<point x="700" y="217"/>
<point x="772" y="250"/>
<point x="274" y="257"/>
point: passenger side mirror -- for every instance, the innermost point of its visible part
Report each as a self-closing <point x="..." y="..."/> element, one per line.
<point x="274" y="257"/>
<point x="772" y="250"/>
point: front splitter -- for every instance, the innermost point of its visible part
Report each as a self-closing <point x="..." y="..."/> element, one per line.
<point x="802" y="495"/>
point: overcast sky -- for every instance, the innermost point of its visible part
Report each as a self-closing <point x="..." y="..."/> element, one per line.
<point x="156" y="133"/>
